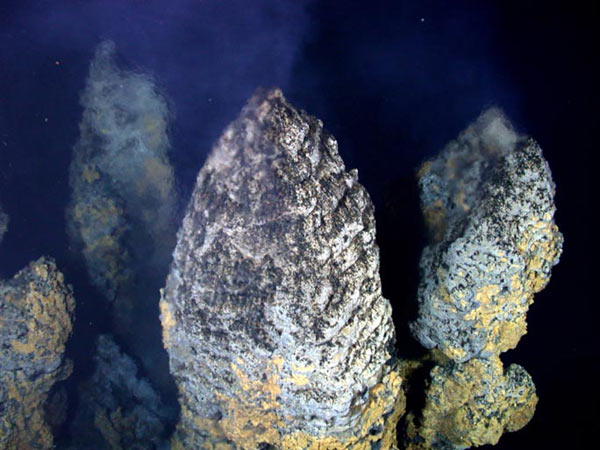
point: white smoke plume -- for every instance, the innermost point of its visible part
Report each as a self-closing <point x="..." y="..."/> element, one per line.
<point x="121" y="217"/>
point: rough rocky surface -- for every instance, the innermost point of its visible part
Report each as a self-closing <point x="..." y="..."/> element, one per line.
<point x="488" y="201"/>
<point x="471" y="404"/>
<point x="272" y="314"/>
<point x="36" y="314"/>
<point x="119" y="409"/>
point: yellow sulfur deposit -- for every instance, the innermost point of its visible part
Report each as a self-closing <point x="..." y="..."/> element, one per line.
<point x="488" y="201"/>
<point x="253" y="417"/>
<point x="472" y="404"/>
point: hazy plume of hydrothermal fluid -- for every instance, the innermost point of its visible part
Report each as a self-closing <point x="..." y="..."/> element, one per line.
<point x="118" y="405"/>
<point x="476" y="150"/>
<point x="122" y="213"/>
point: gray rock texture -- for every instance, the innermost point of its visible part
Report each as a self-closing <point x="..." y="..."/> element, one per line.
<point x="36" y="314"/>
<point x="272" y="314"/>
<point x="488" y="202"/>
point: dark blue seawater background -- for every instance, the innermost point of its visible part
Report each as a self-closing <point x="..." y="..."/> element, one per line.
<point x="393" y="81"/>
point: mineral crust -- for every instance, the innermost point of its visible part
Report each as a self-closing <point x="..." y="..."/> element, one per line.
<point x="488" y="201"/>
<point x="471" y="404"/>
<point x="36" y="314"/>
<point x="272" y="314"/>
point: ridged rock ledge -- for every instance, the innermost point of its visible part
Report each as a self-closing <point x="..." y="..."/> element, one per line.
<point x="272" y="314"/>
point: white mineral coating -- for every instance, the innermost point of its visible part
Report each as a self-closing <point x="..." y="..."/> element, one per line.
<point x="488" y="202"/>
<point x="272" y="314"/>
